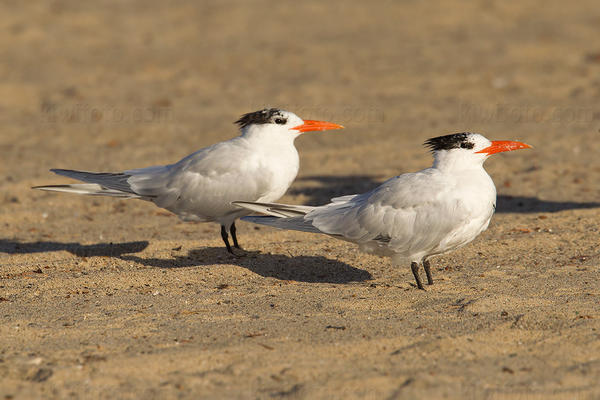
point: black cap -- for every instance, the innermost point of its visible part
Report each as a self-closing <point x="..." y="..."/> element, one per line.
<point x="258" y="117"/>
<point x="449" y="142"/>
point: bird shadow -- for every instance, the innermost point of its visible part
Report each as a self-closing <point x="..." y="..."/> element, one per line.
<point x="291" y="268"/>
<point x="78" y="249"/>
<point x="524" y="204"/>
<point x="312" y="269"/>
<point x="335" y="186"/>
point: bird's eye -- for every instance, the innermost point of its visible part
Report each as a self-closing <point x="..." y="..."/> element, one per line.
<point x="280" y="121"/>
<point x="466" y="145"/>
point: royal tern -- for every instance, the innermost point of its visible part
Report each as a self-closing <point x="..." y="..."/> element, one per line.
<point x="259" y="165"/>
<point x="413" y="216"/>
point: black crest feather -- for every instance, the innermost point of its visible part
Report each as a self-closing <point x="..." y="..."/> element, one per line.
<point x="258" y="117"/>
<point x="449" y="142"/>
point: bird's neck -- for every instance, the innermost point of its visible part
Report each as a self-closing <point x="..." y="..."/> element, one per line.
<point x="272" y="144"/>
<point x="268" y="137"/>
<point x="451" y="161"/>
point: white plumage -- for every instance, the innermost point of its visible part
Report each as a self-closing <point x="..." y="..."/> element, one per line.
<point x="410" y="217"/>
<point x="259" y="165"/>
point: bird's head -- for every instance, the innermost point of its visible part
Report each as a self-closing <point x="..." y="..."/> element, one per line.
<point x="466" y="149"/>
<point x="274" y="123"/>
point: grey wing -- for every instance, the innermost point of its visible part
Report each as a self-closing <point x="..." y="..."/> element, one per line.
<point x="203" y="185"/>
<point x="198" y="175"/>
<point x="200" y="185"/>
<point x="392" y="213"/>
<point x="152" y="182"/>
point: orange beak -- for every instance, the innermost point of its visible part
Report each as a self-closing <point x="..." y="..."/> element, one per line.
<point x="499" y="146"/>
<point x="310" y="125"/>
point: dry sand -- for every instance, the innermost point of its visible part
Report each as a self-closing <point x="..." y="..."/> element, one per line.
<point x="101" y="298"/>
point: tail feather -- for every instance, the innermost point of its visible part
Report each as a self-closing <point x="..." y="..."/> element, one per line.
<point x="275" y="209"/>
<point x="280" y="216"/>
<point x="114" y="181"/>
<point x="87" y="188"/>
<point x="294" y="224"/>
<point x="98" y="184"/>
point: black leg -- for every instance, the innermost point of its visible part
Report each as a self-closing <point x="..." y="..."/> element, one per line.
<point x="232" y="230"/>
<point x="415" y="270"/>
<point x="427" y="268"/>
<point x="226" y="239"/>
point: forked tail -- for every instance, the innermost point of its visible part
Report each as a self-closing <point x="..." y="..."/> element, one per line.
<point x="99" y="184"/>
<point x="280" y="216"/>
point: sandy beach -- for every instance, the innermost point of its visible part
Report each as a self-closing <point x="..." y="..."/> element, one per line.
<point x="104" y="298"/>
